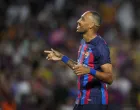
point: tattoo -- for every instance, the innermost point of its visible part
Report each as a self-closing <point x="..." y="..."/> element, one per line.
<point x="71" y="63"/>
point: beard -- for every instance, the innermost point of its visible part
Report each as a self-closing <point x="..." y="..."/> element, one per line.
<point x="82" y="32"/>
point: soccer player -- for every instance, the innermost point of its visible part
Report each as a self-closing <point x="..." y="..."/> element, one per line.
<point x="93" y="67"/>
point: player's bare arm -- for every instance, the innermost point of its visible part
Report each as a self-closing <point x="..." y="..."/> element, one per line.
<point x="105" y="76"/>
<point x="57" y="56"/>
<point x="71" y="63"/>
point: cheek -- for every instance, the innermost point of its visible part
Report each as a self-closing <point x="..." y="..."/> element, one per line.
<point x="86" y="25"/>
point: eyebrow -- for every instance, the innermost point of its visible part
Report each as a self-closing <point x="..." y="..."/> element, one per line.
<point x="82" y="17"/>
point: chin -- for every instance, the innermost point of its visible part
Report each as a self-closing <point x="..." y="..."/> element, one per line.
<point x="81" y="32"/>
<point x="78" y="30"/>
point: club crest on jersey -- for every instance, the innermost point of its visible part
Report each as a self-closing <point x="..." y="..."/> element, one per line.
<point x="86" y="54"/>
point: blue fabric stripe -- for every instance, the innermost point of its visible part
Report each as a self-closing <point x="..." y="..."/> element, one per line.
<point x="77" y="99"/>
<point x="79" y="61"/>
<point x="82" y="77"/>
<point x="85" y="81"/>
<point x="84" y="91"/>
<point x="83" y="97"/>
<point x="103" y="94"/>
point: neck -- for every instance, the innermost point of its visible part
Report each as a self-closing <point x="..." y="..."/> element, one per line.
<point x="89" y="35"/>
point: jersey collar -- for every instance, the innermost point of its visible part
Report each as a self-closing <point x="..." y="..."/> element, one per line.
<point x="94" y="41"/>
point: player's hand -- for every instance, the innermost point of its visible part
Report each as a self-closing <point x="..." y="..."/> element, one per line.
<point x="53" y="55"/>
<point x="80" y="69"/>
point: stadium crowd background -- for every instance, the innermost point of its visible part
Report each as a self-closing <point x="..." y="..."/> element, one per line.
<point x="28" y="27"/>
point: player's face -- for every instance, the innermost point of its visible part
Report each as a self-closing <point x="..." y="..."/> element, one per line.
<point x="83" y="24"/>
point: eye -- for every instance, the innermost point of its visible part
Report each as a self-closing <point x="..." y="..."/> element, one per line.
<point x="83" y="18"/>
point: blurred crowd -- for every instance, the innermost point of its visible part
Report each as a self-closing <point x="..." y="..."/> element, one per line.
<point x="27" y="27"/>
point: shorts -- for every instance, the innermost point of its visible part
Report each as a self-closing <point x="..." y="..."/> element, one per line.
<point x="90" y="107"/>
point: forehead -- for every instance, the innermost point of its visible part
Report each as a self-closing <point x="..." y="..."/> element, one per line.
<point x="86" y="15"/>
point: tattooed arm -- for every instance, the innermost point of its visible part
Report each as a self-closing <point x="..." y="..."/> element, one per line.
<point x="71" y="63"/>
<point x="57" y="56"/>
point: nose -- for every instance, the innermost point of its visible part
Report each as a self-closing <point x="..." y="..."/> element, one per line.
<point x="78" y="21"/>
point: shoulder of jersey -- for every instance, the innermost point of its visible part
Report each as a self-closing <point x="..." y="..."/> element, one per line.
<point x="102" y="41"/>
<point x="99" y="41"/>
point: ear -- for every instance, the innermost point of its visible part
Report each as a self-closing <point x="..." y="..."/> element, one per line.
<point x="91" y="25"/>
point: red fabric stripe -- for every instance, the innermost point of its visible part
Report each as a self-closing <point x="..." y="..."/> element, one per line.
<point x="79" y="94"/>
<point x="81" y="61"/>
<point x="88" y="90"/>
<point x="83" y="54"/>
<point x="91" y="60"/>
<point x="78" y="82"/>
<point x="90" y="77"/>
<point x="106" y="94"/>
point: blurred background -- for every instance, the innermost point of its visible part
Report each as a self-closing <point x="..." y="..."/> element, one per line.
<point x="27" y="27"/>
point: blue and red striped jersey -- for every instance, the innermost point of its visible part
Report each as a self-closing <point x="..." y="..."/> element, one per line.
<point x="92" y="54"/>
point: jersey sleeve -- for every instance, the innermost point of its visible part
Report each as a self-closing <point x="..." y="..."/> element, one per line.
<point x="104" y="54"/>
